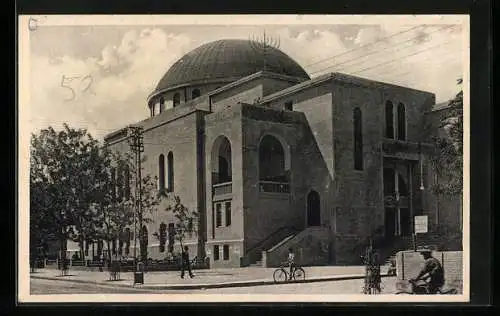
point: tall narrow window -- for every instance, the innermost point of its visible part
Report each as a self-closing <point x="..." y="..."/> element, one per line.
<point x="228" y="213"/>
<point x="163" y="236"/>
<point x="113" y="183"/>
<point x="170" y="162"/>
<point x="161" y="173"/>
<point x="126" y="175"/>
<point x="171" y="237"/>
<point x="401" y="122"/>
<point x="162" y="104"/>
<point x="218" y="215"/>
<point x="177" y="99"/>
<point x="289" y="105"/>
<point x="358" y="140"/>
<point x="225" y="252"/>
<point x="119" y="183"/>
<point x="216" y="252"/>
<point x="190" y="227"/>
<point x="389" y="120"/>
<point x="196" y="93"/>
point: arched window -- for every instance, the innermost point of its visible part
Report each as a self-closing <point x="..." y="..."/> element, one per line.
<point x="177" y="99"/>
<point x="272" y="160"/>
<point x="162" y="104"/>
<point x="152" y="109"/>
<point x="358" y="140"/>
<point x="401" y="122"/>
<point x="313" y="209"/>
<point x="196" y="93"/>
<point x="389" y="120"/>
<point x="170" y="166"/>
<point x="161" y="173"/>
<point x="221" y="161"/>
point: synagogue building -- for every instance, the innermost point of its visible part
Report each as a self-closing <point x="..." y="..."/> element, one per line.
<point x="272" y="159"/>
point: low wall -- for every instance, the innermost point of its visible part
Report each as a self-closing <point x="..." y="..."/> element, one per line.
<point x="311" y="247"/>
<point x="409" y="264"/>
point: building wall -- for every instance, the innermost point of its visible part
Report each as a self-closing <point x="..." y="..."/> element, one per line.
<point x="180" y="137"/>
<point x="226" y="122"/>
<point x="247" y="92"/>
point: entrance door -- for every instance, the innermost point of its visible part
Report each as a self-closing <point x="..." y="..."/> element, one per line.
<point x="390" y="222"/>
<point x="313" y="209"/>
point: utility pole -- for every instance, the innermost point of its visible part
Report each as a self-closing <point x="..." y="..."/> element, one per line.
<point x="137" y="147"/>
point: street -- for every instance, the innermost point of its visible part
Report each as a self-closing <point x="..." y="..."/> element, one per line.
<point x="39" y="286"/>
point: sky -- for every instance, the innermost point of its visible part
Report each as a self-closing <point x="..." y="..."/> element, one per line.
<point x="112" y="68"/>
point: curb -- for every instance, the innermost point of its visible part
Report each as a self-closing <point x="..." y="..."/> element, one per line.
<point x="209" y="285"/>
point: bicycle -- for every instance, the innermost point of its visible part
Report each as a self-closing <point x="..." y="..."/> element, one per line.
<point x="423" y="288"/>
<point x="282" y="275"/>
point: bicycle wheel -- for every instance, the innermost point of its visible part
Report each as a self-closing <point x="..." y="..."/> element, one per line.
<point x="280" y="275"/>
<point x="299" y="274"/>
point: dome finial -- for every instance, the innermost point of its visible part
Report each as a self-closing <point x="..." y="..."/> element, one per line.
<point x="264" y="44"/>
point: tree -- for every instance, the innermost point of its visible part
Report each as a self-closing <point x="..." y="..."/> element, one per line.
<point x="448" y="161"/>
<point x="184" y="218"/>
<point x="149" y="201"/>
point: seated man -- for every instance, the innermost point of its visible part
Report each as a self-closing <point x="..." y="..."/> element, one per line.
<point x="433" y="270"/>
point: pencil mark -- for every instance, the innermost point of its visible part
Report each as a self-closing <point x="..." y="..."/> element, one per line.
<point x="32" y="24"/>
<point x="83" y="86"/>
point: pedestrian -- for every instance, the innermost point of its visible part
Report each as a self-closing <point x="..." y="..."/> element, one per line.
<point x="291" y="262"/>
<point x="185" y="263"/>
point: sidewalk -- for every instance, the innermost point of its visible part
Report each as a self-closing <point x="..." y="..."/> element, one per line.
<point x="204" y="279"/>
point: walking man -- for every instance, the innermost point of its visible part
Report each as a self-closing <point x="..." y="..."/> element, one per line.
<point x="185" y="263"/>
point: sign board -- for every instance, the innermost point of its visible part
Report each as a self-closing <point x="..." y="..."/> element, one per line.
<point x="421" y="224"/>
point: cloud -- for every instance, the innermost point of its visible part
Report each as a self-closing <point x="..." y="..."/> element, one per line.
<point x="110" y="89"/>
<point x="425" y="57"/>
<point x="104" y="92"/>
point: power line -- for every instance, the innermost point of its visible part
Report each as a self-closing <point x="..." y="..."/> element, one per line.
<point x="377" y="52"/>
<point x="361" y="57"/>
<point x="393" y="60"/>
<point x="363" y="46"/>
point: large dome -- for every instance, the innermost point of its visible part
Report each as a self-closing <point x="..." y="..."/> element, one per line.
<point x="227" y="60"/>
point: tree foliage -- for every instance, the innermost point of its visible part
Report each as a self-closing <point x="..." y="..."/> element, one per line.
<point x="61" y="183"/>
<point x="81" y="191"/>
<point x="184" y="219"/>
<point x="448" y="161"/>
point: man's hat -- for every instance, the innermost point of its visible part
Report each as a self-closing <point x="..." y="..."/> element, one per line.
<point x="424" y="250"/>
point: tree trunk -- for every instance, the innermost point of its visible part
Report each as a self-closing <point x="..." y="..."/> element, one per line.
<point x="109" y="251"/>
<point x="82" y="247"/>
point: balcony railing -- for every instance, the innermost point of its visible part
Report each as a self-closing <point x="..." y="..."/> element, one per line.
<point x="274" y="187"/>
<point x="390" y="200"/>
<point x="222" y="188"/>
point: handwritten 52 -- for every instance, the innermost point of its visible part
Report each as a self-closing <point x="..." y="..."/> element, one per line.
<point x="78" y="84"/>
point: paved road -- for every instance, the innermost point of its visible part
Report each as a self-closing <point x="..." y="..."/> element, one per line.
<point x="39" y="286"/>
<point x="327" y="288"/>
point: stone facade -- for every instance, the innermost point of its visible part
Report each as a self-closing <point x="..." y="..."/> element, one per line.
<point x="310" y="179"/>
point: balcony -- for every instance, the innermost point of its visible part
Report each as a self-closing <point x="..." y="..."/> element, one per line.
<point x="222" y="188"/>
<point x="274" y="187"/>
<point x="406" y="149"/>
<point x="392" y="201"/>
